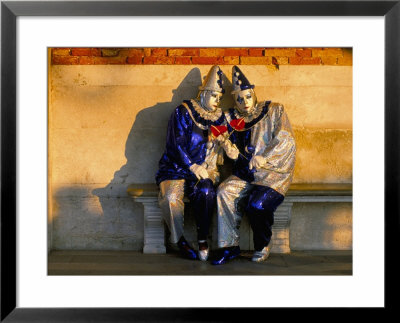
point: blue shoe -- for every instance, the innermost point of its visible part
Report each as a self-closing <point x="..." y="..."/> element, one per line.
<point x="226" y="254"/>
<point x="186" y="250"/>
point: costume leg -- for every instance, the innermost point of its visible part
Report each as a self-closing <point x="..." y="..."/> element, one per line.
<point x="262" y="204"/>
<point x="230" y="192"/>
<point x="202" y="199"/>
<point x="172" y="206"/>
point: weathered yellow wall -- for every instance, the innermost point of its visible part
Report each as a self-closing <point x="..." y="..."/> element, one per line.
<point x="107" y="127"/>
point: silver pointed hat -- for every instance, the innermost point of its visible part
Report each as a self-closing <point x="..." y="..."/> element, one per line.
<point x="239" y="81"/>
<point x="213" y="80"/>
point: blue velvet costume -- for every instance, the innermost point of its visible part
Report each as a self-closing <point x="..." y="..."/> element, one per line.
<point x="188" y="142"/>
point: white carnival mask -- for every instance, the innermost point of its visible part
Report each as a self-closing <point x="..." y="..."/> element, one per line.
<point x="210" y="100"/>
<point x="245" y="101"/>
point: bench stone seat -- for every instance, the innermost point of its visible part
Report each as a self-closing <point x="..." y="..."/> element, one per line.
<point x="154" y="231"/>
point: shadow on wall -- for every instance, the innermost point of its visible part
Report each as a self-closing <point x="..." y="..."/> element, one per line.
<point x="146" y="139"/>
<point x="145" y="144"/>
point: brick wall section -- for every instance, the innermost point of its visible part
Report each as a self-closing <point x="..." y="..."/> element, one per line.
<point x="199" y="56"/>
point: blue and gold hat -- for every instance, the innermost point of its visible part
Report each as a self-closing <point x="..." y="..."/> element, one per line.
<point x="239" y="81"/>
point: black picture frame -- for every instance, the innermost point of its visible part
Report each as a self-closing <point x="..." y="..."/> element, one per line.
<point x="10" y="10"/>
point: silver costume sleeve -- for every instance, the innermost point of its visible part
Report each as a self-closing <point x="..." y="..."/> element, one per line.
<point x="280" y="153"/>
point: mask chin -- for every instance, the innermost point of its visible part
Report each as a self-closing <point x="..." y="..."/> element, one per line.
<point x="245" y="111"/>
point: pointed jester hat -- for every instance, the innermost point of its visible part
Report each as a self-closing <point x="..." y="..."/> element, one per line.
<point x="239" y="81"/>
<point x="213" y="81"/>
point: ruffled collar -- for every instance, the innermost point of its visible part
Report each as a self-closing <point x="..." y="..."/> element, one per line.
<point x="202" y="118"/>
<point x="250" y="120"/>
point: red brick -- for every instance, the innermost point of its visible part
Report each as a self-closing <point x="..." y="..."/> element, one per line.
<point x="161" y="60"/>
<point x="304" y="60"/>
<point x="158" y="52"/>
<point x="86" y="60"/>
<point x="134" y="60"/>
<point x="86" y="52"/>
<point x="344" y="62"/>
<point x="347" y="59"/>
<point x="256" y="52"/>
<point x="96" y="52"/>
<point x="207" y="60"/>
<point x="256" y="60"/>
<point x="147" y="51"/>
<point x="326" y="52"/>
<point x="131" y="52"/>
<point x="61" y="51"/>
<point x="236" y="52"/>
<point x="212" y="52"/>
<point x="109" y="60"/>
<point x="282" y="60"/>
<point x="286" y="52"/>
<point x="81" y="51"/>
<point x="329" y="60"/>
<point x="303" y="52"/>
<point x="233" y="60"/>
<point x="182" y="60"/>
<point x="183" y="52"/>
<point x="65" y="60"/>
<point x="109" y="52"/>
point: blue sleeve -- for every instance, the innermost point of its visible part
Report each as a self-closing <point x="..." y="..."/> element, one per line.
<point x="179" y="132"/>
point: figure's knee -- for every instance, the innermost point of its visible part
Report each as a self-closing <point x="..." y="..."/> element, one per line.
<point x="222" y="190"/>
<point x="206" y="190"/>
<point x="260" y="204"/>
<point x="263" y="201"/>
<point x="172" y="198"/>
<point x="255" y="206"/>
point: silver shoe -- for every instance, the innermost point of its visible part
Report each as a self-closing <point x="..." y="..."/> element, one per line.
<point x="203" y="254"/>
<point x="260" y="256"/>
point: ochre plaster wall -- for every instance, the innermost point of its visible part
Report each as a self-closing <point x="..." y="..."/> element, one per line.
<point x="107" y="127"/>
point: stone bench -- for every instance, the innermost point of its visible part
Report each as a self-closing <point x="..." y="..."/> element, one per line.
<point x="154" y="230"/>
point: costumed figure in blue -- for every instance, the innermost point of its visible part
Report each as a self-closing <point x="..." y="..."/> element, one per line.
<point x="261" y="174"/>
<point x="188" y="166"/>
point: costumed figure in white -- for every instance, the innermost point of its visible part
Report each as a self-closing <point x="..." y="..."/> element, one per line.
<point x="188" y="166"/>
<point x="262" y="172"/>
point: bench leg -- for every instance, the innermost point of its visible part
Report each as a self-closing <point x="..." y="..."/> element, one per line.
<point x="280" y="229"/>
<point x="154" y="231"/>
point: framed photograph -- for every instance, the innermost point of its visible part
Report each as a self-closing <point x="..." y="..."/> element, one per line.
<point x="108" y="114"/>
<point x="82" y="106"/>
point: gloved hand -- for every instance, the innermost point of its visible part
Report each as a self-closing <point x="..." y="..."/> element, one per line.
<point x="231" y="150"/>
<point x="257" y="162"/>
<point x="221" y="138"/>
<point x="199" y="171"/>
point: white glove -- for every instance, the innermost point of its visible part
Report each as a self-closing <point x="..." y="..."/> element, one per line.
<point x="257" y="162"/>
<point x="223" y="137"/>
<point x="231" y="150"/>
<point x="199" y="171"/>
